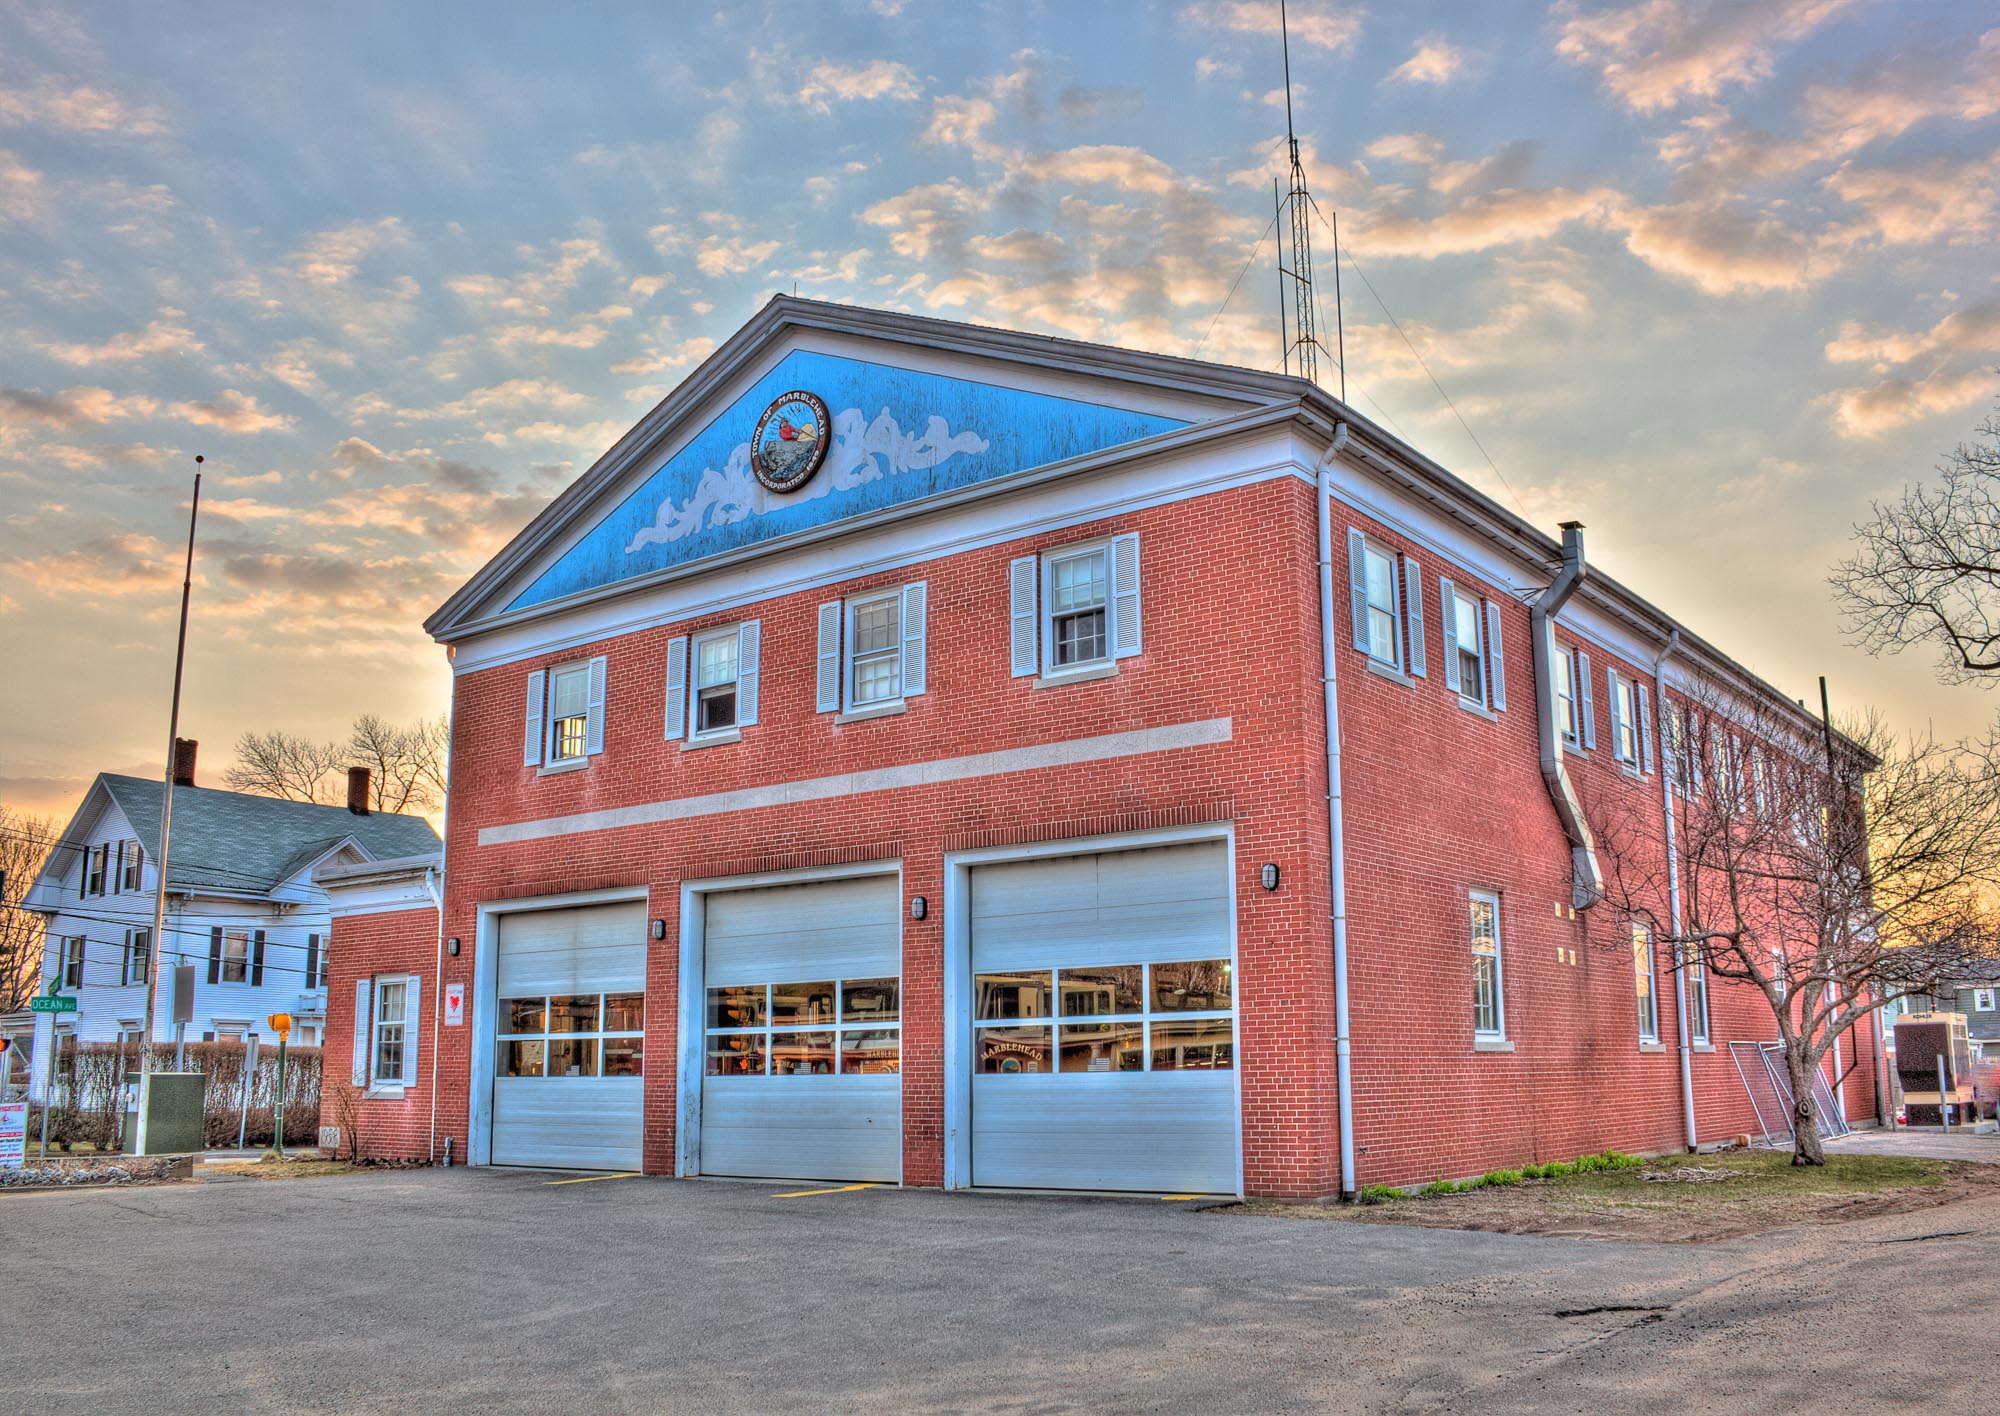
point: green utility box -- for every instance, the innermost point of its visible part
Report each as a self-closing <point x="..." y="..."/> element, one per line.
<point x="174" y="1127"/>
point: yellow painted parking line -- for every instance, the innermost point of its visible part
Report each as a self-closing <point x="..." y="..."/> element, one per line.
<point x="588" y="1179"/>
<point x="837" y="1190"/>
<point x="1183" y="1197"/>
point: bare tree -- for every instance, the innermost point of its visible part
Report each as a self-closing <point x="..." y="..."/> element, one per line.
<point x="407" y="765"/>
<point x="279" y="764"/>
<point x="1926" y="569"/>
<point x="1830" y="874"/>
<point x="25" y="843"/>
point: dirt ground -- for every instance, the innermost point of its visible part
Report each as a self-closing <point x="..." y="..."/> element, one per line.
<point x="1683" y="1199"/>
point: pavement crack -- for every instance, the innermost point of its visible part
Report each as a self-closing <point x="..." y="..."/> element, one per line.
<point x="1658" y="1309"/>
<point x="1920" y="1238"/>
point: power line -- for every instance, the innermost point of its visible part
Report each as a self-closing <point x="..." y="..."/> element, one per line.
<point x="1425" y="366"/>
<point x="1254" y="249"/>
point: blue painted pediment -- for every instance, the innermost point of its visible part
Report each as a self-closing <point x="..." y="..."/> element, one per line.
<point x="898" y="436"/>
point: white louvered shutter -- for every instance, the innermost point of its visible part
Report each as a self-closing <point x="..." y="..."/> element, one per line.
<point x="1413" y="612"/>
<point x="1495" y="660"/>
<point x="538" y="690"/>
<point x="1645" y="728"/>
<point x="1125" y="609"/>
<point x="828" y="698"/>
<point x="1448" y="616"/>
<point x="1357" y="588"/>
<point x="916" y="654"/>
<point x="1617" y="721"/>
<point x="413" y="989"/>
<point x="677" y="688"/>
<point x="1023" y="627"/>
<point x="593" y="723"/>
<point x="364" y="1027"/>
<point x="749" y="644"/>
<point x="1587" y="698"/>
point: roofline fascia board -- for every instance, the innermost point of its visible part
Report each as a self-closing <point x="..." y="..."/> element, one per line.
<point x="691" y="396"/>
<point x="1394" y="458"/>
<point x="1194" y="435"/>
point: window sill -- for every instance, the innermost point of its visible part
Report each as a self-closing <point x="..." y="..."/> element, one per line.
<point x="1089" y="675"/>
<point x="1492" y="1044"/>
<point x="1652" y="1047"/>
<point x="1631" y="771"/>
<point x="721" y="739"/>
<point x="1478" y="710"/>
<point x="556" y="769"/>
<point x="384" y="1094"/>
<point x="1701" y="1047"/>
<point x="1381" y="670"/>
<point x="873" y="710"/>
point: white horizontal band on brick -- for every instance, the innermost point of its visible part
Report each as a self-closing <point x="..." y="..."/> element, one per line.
<point x="1204" y="733"/>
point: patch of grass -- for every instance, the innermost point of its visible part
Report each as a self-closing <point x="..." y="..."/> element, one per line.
<point x="1439" y="1187"/>
<point x="281" y="1169"/>
<point x="1379" y="1194"/>
<point x="1501" y="1177"/>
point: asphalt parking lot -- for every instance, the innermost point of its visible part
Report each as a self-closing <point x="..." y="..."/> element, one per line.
<point x="497" y="1291"/>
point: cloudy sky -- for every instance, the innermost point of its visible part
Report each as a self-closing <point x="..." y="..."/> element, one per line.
<point x="1707" y="276"/>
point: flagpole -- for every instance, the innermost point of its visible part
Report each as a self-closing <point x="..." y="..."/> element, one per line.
<point x="154" y="952"/>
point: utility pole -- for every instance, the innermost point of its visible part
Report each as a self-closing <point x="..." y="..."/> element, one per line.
<point x="154" y="951"/>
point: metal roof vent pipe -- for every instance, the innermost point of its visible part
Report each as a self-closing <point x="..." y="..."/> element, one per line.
<point x="184" y="751"/>
<point x="357" y="790"/>
<point x="1586" y="879"/>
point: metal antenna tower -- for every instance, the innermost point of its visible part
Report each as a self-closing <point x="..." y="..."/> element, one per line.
<point x="1302" y="341"/>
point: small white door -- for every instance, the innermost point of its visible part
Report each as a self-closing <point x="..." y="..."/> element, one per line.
<point x="1103" y="1027"/>
<point x="569" y="1039"/>
<point x="802" y="1031"/>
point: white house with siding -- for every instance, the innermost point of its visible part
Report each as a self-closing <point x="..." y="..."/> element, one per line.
<point x="242" y="907"/>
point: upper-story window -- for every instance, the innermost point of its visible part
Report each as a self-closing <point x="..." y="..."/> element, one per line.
<point x="712" y="683"/>
<point x="1983" y="1000"/>
<point x="1388" y="604"/>
<point x="235" y="956"/>
<point x="97" y="870"/>
<point x="715" y="669"/>
<point x="873" y="650"/>
<point x="569" y="713"/>
<point x="1576" y="715"/>
<point x="71" y="966"/>
<point x="1079" y="599"/>
<point x="135" y="865"/>
<point x="1074" y="609"/>
<point x="1631" y="721"/>
<point x="565" y="714"/>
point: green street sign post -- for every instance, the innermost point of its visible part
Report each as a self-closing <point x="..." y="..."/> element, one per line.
<point x="50" y="1002"/>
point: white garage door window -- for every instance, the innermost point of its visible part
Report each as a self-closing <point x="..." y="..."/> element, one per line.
<point x="1103" y="1022"/>
<point x="802" y="1031"/>
<point x="569" y="1039"/>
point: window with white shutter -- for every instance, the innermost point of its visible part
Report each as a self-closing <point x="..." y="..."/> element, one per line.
<point x="677" y="688"/>
<point x="593" y="733"/>
<point x="364" y="1027"/>
<point x="1496" y="663"/>
<point x="916" y="650"/>
<point x="1076" y="599"/>
<point x="1126" y="637"/>
<point x="1376" y="607"/>
<point x="1587" y="699"/>
<point x="531" y="755"/>
<point x="827" y="696"/>
<point x="1023" y="616"/>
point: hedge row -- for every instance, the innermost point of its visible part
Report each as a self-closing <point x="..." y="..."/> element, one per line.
<point x="88" y="1094"/>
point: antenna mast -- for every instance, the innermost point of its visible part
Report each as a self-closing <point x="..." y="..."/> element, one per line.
<point x="1302" y="340"/>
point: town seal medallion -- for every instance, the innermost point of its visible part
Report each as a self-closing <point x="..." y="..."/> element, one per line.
<point x="790" y="441"/>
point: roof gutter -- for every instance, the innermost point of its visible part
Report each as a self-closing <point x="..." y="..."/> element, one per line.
<point x="1586" y="879"/>
<point x="1336" y="839"/>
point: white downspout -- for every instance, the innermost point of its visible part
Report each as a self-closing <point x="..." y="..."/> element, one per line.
<point x="434" y="883"/>
<point x="1337" y="869"/>
<point x="1674" y="893"/>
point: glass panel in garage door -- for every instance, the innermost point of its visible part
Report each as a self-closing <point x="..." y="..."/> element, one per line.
<point x="572" y="1035"/>
<point x="820" y="1028"/>
<point x="1167" y="1017"/>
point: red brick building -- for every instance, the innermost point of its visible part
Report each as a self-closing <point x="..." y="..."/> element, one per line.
<point x="905" y="756"/>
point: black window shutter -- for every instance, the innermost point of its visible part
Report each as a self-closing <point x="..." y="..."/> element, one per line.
<point x="215" y="955"/>
<point x="125" y="964"/>
<point x="312" y="961"/>
<point x="117" y="873"/>
<point x="257" y="957"/>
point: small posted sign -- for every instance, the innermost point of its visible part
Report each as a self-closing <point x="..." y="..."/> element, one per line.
<point x="454" y="1005"/>
<point x="13" y="1134"/>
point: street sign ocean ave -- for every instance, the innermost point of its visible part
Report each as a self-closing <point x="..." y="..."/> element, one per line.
<point x="52" y="1003"/>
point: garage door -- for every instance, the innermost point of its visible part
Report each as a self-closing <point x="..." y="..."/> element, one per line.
<point x="803" y="1037"/>
<point x="569" y="1044"/>
<point x="1103" y="1022"/>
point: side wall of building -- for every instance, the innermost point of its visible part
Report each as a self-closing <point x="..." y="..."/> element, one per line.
<point x="393" y="1123"/>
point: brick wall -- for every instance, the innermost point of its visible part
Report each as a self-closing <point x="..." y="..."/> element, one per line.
<point x="363" y="946"/>
<point x="1438" y="800"/>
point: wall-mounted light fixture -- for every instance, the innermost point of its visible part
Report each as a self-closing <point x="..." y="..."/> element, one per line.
<point x="659" y="929"/>
<point x="919" y="906"/>
<point x="1268" y="876"/>
<point x="453" y="946"/>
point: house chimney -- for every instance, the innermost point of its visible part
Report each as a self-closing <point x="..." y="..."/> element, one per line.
<point x="357" y="790"/>
<point x="184" y="750"/>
